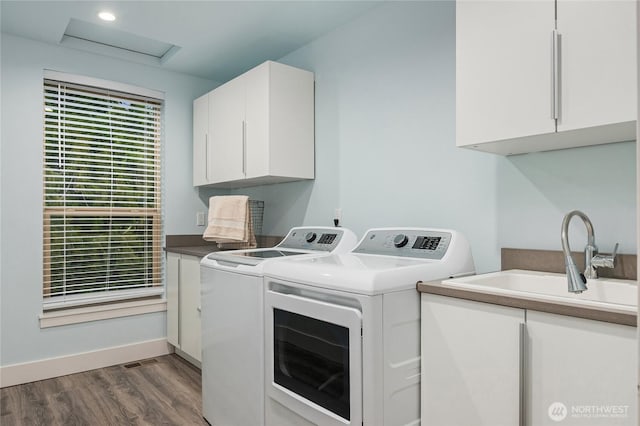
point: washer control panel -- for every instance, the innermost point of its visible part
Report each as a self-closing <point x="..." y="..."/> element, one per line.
<point x="420" y="243"/>
<point x="313" y="238"/>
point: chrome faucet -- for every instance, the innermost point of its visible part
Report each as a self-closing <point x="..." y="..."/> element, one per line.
<point x="578" y="281"/>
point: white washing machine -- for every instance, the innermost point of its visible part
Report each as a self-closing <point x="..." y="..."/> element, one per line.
<point x="232" y="321"/>
<point x="342" y="342"/>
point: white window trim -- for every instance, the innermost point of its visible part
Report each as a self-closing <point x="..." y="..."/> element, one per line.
<point x="88" y="299"/>
<point x="104" y="84"/>
<point x="101" y="312"/>
<point x="87" y="313"/>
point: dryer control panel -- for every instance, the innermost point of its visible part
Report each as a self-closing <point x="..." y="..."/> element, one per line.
<point x="422" y="243"/>
<point x="317" y="238"/>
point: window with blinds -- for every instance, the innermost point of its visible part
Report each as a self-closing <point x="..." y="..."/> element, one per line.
<point x="102" y="195"/>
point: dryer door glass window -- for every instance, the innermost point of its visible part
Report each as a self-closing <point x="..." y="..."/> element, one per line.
<point x="311" y="358"/>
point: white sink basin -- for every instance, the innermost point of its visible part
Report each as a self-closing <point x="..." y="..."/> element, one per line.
<point x="605" y="293"/>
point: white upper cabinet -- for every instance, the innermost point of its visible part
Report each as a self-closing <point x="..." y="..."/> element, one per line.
<point x="526" y="81"/>
<point x="226" y="129"/>
<point x="200" y="140"/>
<point x="598" y="63"/>
<point x="503" y="63"/>
<point x="260" y="129"/>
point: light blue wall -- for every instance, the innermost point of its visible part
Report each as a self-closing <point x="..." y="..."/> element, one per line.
<point x="385" y="153"/>
<point x="385" y="149"/>
<point x="21" y="190"/>
<point x="536" y="190"/>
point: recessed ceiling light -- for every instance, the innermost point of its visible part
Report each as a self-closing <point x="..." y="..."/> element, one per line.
<point x="107" y="16"/>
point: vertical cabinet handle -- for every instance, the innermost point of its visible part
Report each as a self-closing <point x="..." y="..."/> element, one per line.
<point x="522" y="337"/>
<point x="555" y="75"/>
<point x="244" y="148"/>
<point x="206" y="157"/>
<point x="179" y="296"/>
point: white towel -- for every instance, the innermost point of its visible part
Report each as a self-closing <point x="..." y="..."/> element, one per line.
<point x="229" y="222"/>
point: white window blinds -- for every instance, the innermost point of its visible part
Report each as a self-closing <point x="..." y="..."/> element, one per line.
<point x="102" y="195"/>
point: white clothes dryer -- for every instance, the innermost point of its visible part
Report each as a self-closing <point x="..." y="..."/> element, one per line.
<point x="232" y="321"/>
<point x="342" y="344"/>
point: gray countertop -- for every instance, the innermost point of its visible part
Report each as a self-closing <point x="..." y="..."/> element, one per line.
<point x="547" y="261"/>
<point x="515" y="302"/>
<point x="194" y="245"/>
<point x="199" y="251"/>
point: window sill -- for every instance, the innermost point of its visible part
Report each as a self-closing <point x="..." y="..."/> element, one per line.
<point x="101" y="312"/>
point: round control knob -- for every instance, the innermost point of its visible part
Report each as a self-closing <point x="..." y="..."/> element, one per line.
<point x="400" y="240"/>
<point x="310" y="237"/>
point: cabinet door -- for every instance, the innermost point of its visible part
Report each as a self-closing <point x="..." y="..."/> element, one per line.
<point x="503" y="69"/>
<point x="598" y="65"/>
<point x="582" y="370"/>
<point x="190" y="339"/>
<point x="291" y="125"/>
<point x="257" y="123"/>
<point x="173" y="299"/>
<point x="471" y="363"/>
<point x="201" y="140"/>
<point x="226" y="129"/>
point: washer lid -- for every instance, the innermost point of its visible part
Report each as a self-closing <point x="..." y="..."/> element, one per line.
<point x="363" y="273"/>
<point x="385" y="260"/>
<point x="265" y="254"/>
<point x="253" y="257"/>
<point x="320" y="240"/>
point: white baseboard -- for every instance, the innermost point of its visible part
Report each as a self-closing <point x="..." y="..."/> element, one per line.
<point x="188" y="358"/>
<point x="16" y="374"/>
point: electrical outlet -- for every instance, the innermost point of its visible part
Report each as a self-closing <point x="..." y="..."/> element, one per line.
<point x="200" y="218"/>
<point x="337" y="216"/>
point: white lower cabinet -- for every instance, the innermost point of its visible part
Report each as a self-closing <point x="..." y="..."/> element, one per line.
<point x="485" y="364"/>
<point x="470" y="363"/>
<point x="580" y="372"/>
<point x="183" y="304"/>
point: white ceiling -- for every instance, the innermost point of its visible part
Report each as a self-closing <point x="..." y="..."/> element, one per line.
<point x="217" y="39"/>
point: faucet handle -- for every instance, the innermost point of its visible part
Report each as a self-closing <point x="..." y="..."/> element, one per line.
<point x="605" y="260"/>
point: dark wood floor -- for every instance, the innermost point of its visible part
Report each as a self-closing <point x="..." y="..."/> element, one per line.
<point x="161" y="391"/>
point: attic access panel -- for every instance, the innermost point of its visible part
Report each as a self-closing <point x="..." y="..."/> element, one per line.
<point x="109" y="41"/>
